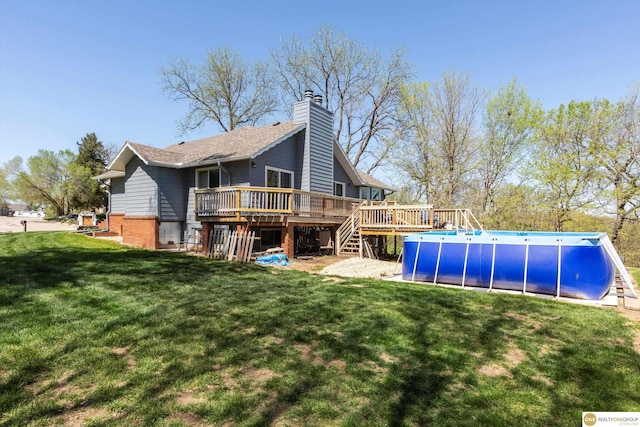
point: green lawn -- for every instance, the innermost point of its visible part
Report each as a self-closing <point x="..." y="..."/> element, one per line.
<point x="98" y="334"/>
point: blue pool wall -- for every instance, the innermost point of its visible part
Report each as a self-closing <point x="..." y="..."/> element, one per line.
<point x="586" y="271"/>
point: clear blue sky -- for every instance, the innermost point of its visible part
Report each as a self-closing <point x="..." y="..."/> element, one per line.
<point x="72" y="67"/>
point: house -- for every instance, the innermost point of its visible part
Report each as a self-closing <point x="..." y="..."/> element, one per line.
<point x="289" y="181"/>
<point x="19" y="209"/>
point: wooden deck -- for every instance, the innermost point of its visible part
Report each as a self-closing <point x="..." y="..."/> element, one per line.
<point x="246" y="204"/>
<point x="402" y="219"/>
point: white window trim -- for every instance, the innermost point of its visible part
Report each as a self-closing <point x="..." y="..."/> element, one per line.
<point x="207" y="169"/>
<point x="344" y="188"/>
<point x="279" y="170"/>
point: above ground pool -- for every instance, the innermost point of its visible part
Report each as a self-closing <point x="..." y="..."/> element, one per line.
<point x="574" y="265"/>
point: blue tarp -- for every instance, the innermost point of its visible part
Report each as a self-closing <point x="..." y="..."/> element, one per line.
<point x="273" y="259"/>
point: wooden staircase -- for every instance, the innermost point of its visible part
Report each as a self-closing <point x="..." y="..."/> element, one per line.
<point x="349" y="240"/>
<point x="348" y="234"/>
<point x="369" y="219"/>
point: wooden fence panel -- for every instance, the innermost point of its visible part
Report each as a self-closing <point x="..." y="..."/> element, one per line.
<point x="232" y="246"/>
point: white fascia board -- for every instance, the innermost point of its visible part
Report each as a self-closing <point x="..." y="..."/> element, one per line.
<point x="112" y="165"/>
<point x="339" y="154"/>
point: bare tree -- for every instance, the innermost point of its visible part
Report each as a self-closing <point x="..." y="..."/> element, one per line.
<point x="616" y="149"/>
<point x="441" y="145"/>
<point x="226" y="90"/>
<point x="360" y="86"/>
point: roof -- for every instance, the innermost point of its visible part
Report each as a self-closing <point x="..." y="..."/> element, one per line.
<point x="244" y="143"/>
<point x="18" y="207"/>
<point x="239" y="144"/>
<point x="373" y="182"/>
<point x="110" y="175"/>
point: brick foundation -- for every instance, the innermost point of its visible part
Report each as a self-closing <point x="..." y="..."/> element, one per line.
<point x="207" y="229"/>
<point x="288" y="240"/>
<point x="115" y="223"/>
<point x="141" y="231"/>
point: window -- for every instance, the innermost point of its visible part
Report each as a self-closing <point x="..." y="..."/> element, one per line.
<point x="279" y="178"/>
<point x="338" y="189"/>
<point x="208" y="178"/>
<point x="365" y="193"/>
<point x="368" y="193"/>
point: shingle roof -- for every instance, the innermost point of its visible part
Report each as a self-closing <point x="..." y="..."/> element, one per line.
<point x="373" y="182"/>
<point x="156" y="155"/>
<point x="239" y="143"/>
<point x="110" y="174"/>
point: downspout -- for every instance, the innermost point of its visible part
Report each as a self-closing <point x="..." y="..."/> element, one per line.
<point x="108" y="190"/>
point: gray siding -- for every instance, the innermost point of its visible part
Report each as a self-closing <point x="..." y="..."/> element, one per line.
<point x="321" y="143"/>
<point x="317" y="163"/>
<point x="282" y="156"/>
<point x="118" y="199"/>
<point x="341" y="176"/>
<point x="171" y="193"/>
<point x="239" y="172"/>
<point x="191" y="222"/>
<point x="141" y="188"/>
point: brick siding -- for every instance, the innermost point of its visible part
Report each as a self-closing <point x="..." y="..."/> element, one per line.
<point x="141" y="231"/>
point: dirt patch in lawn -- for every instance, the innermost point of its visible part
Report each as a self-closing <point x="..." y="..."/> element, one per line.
<point x="513" y="358"/>
<point x="124" y="352"/>
<point x="79" y="417"/>
<point x="186" y="419"/>
<point x="259" y="375"/>
<point x="187" y="398"/>
<point x="315" y="264"/>
<point x="633" y="315"/>
<point x="494" y="370"/>
<point x="307" y="353"/>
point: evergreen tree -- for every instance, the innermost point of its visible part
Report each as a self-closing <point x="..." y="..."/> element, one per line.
<point x="92" y="154"/>
<point x="94" y="157"/>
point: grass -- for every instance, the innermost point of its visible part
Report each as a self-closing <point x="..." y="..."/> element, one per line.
<point x="94" y="333"/>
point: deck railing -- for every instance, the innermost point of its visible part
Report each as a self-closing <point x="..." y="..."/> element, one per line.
<point x="409" y="218"/>
<point x="396" y="217"/>
<point x="255" y="201"/>
<point x="384" y="217"/>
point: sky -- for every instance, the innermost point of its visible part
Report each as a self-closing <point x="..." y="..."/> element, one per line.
<point x="68" y="68"/>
